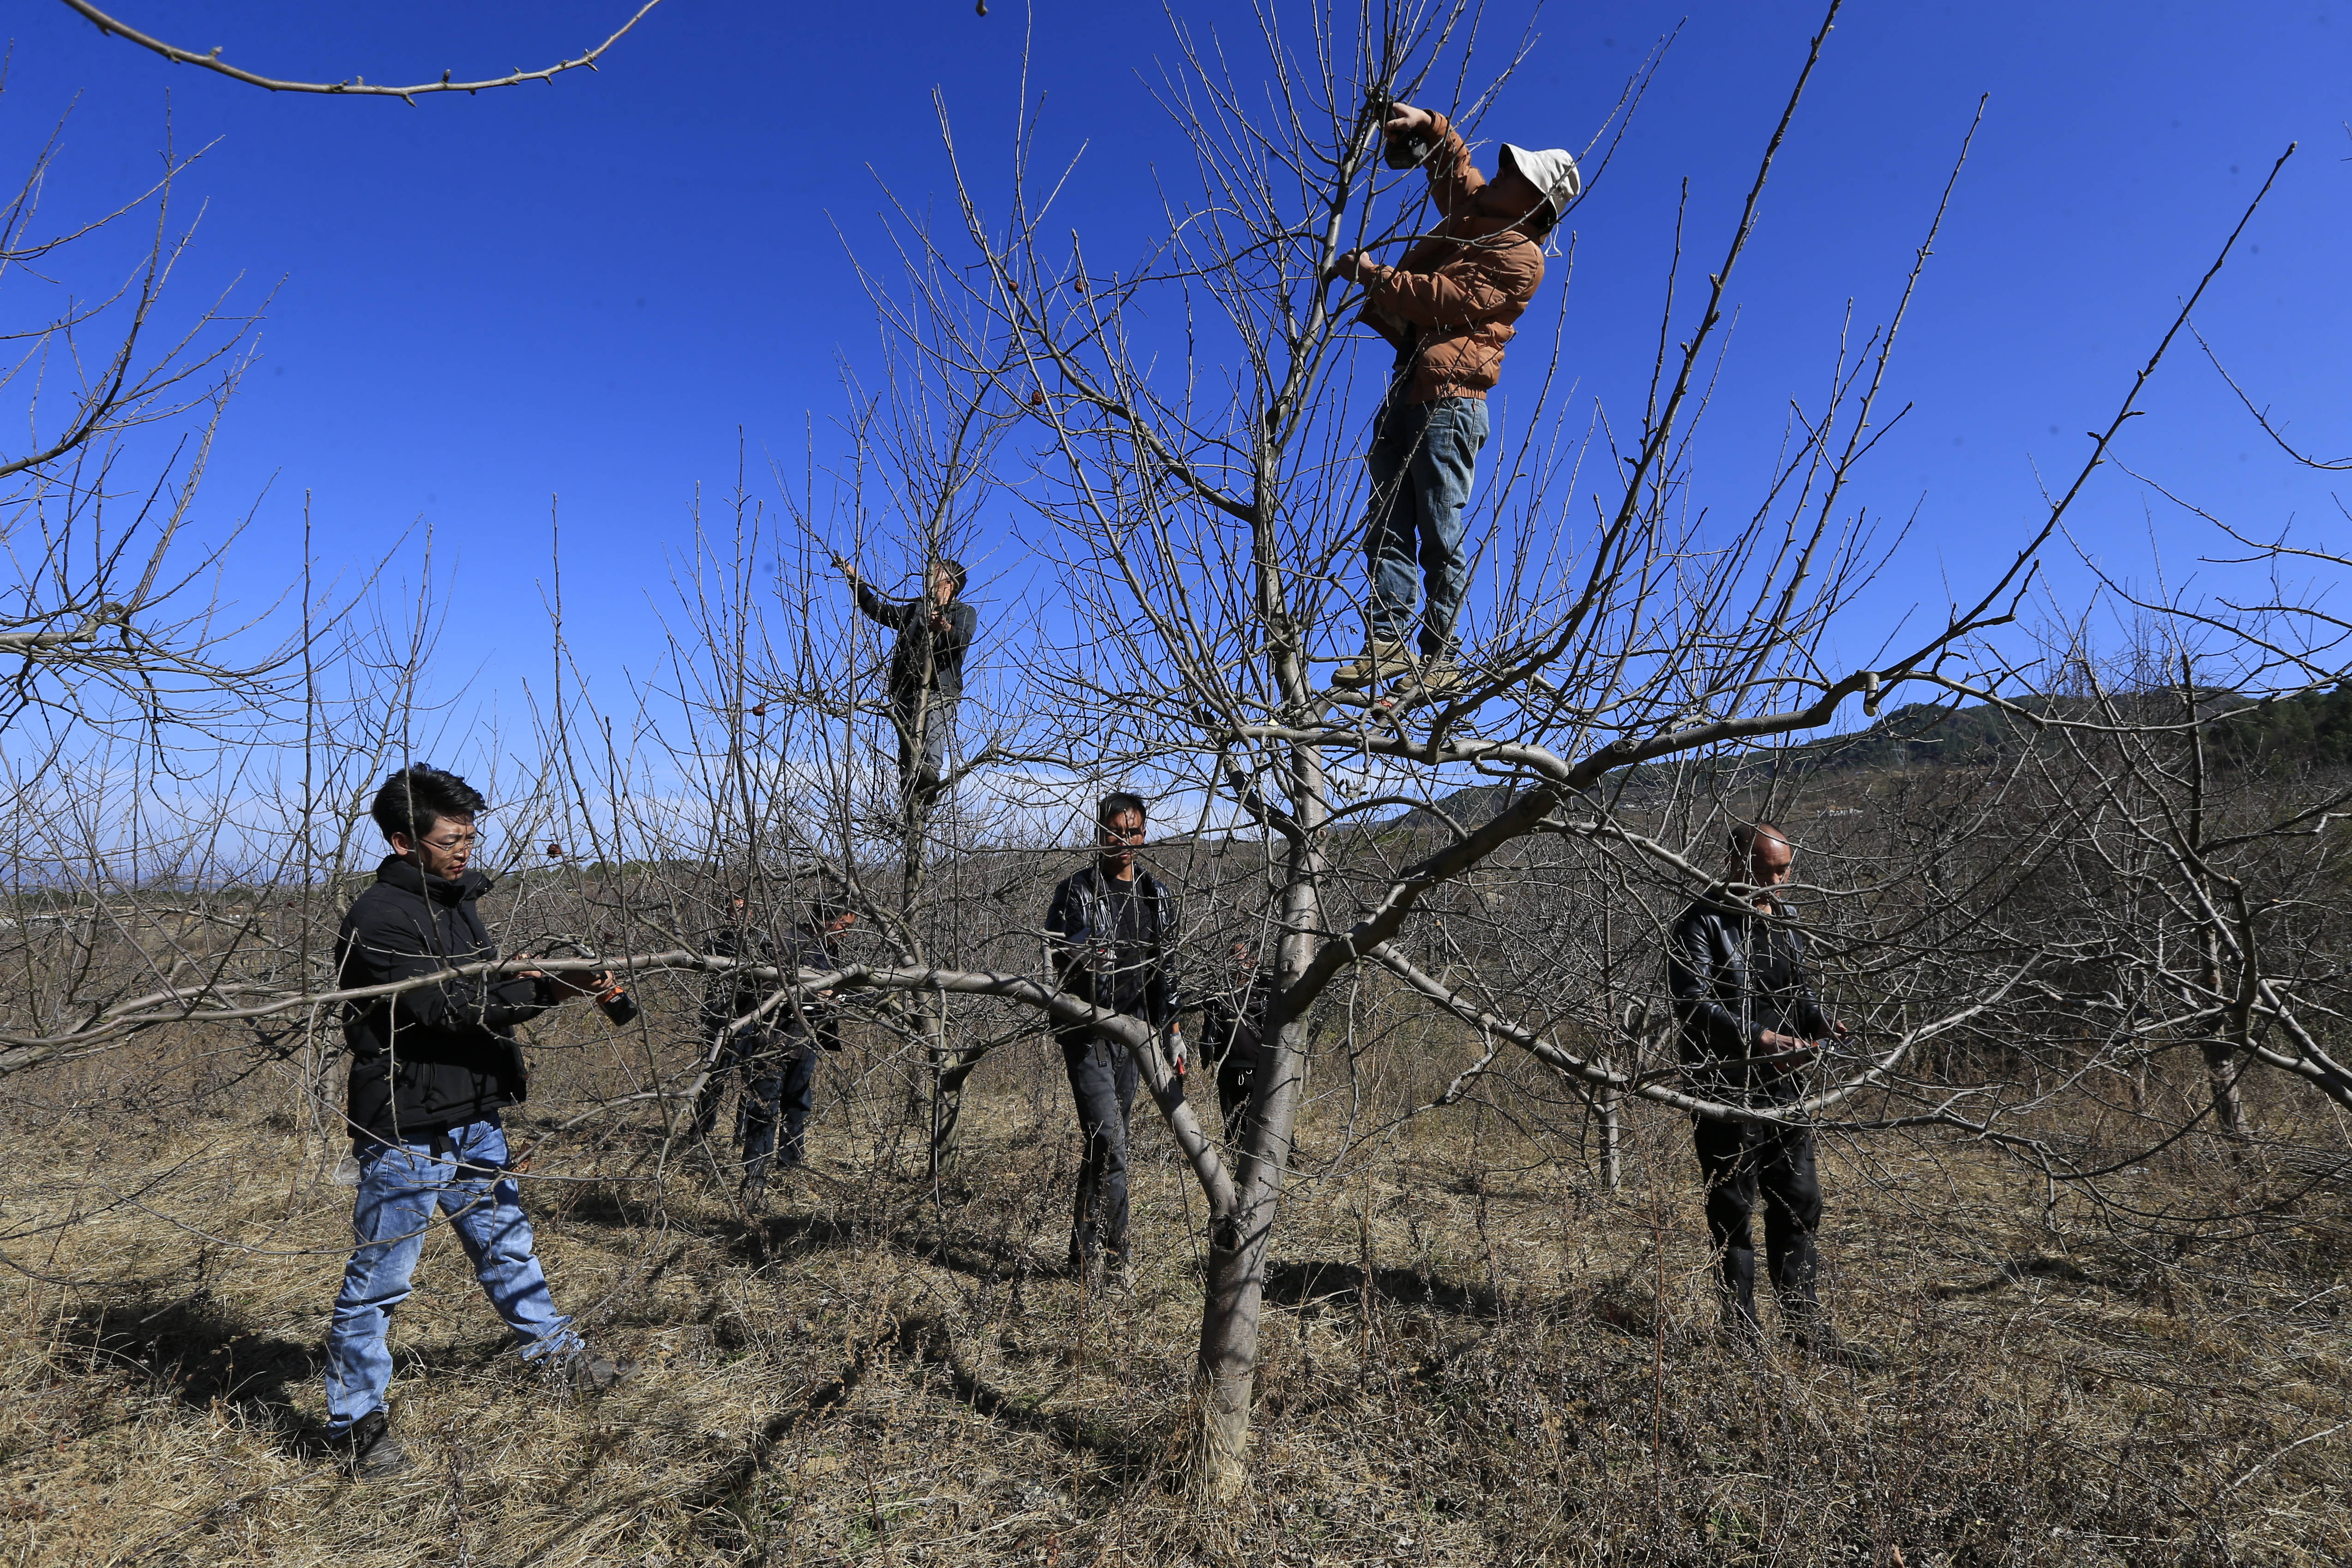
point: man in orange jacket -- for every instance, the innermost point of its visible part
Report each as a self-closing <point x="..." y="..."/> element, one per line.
<point x="1448" y="307"/>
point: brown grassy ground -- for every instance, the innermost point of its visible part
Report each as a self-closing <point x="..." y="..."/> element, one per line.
<point x="1476" y="1356"/>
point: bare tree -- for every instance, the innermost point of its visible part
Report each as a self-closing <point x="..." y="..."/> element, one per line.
<point x="1202" y="496"/>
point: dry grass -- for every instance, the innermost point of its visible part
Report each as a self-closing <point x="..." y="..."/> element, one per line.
<point x="1476" y="1357"/>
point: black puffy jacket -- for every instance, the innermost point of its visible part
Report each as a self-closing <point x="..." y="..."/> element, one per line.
<point x="1094" y="966"/>
<point x="1734" y="974"/>
<point x="435" y="1055"/>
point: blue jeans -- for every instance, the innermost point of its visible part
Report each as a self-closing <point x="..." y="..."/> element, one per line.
<point x="400" y="1186"/>
<point x="1423" y="459"/>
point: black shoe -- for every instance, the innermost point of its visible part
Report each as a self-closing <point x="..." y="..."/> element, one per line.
<point x="755" y="1192"/>
<point x="371" y="1453"/>
<point x="1823" y="1343"/>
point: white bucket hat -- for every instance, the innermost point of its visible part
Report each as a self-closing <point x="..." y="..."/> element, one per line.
<point x="1551" y="170"/>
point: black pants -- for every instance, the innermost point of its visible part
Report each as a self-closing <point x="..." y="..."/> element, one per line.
<point x="1103" y="1080"/>
<point x="778" y="1073"/>
<point x="1740" y="1162"/>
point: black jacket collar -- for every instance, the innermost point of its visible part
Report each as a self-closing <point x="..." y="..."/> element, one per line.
<point x="1090" y="879"/>
<point x="403" y="874"/>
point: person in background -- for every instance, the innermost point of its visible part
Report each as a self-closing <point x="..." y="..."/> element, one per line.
<point x="1232" y="1033"/>
<point x="775" y="1052"/>
<point x="1735" y="969"/>
<point x="1112" y="930"/>
<point x="432" y="1066"/>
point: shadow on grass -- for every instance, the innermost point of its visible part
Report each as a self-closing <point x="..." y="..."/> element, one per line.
<point x="724" y="1497"/>
<point x="1617" y="1304"/>
<point x="1311" y="1284"/>
<point x="202" y="1355"/>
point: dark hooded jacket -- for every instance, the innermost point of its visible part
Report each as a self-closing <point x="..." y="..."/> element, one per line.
<point x="1735" y="973"/>
<point x="436" y="1056"/>
<point x="1095" y="965"/>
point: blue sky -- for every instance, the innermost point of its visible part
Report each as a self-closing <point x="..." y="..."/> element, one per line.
<point x="590" y="286"/>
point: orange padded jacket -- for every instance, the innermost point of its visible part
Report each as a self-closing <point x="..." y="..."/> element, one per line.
<point x="1458" y="291"/>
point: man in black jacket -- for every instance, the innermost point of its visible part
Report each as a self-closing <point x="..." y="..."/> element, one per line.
<point x="935" y="633"/>
<point x="776" y="1051"/>
<point x="432" y="1067"/>
<point x="1232" y="1033"/>
<point x="1750" y="1022"/>
<point x="1112" y="932"/>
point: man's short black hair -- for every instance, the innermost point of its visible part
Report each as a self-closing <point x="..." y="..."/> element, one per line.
<point x="412" y="799"/>
<point x="955" y="573"/>
<point x="1117" y="803"/>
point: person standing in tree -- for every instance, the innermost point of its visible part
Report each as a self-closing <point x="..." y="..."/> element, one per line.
<point x="1233" y="1032"/>
<point x="1112" y="930"/>
<point x="1735" y="969"/>
<point x="1448" y="307"/>
<point x="935" y="633"/>
<point x="432" y="1068"/>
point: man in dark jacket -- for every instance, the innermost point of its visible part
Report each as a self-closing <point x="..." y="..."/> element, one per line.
<point x="1750" y="1022"/>
<point x="1448" y="306"/>
<point x="771" y="1040"/>
<point x="935" y="633"/>
<point x="1112" y="931"/>
<point x="432" y="1067"/>
<point x="1232" y="1033"/>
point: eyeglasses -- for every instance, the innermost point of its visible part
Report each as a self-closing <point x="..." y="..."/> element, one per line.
<point x="1122" y="835"/>
<point x="462" y="841"/>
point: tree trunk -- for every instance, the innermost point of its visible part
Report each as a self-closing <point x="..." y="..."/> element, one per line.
<point x="1607" y="1110"/>
<point x="1228" y="1378"/>
<point x="950" y="1068"/>
<point x="2221" y="1074"/>
<point x="1235" y="1286"/>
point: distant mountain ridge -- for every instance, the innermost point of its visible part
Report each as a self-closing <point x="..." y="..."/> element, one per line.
<point x="2312" y="729"/>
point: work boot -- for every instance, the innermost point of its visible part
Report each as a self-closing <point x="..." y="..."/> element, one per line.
<point x="1831" y="1351"/>
<point x="1441" y="677"/>
<point x="371" y="1453"/>
<point x="1382" y="660"/>
<point x="755" y="1192"/>
<point x="1813" y="1334"/>
<point x="583" y="1374"/>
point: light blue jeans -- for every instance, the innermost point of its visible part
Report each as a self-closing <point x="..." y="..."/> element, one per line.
<point x="400" y="1186"/>
<point x="1423" y="459"/>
